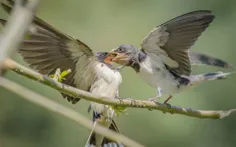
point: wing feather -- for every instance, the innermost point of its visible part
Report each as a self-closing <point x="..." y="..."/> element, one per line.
<point x="175" y="38"/>
<point x="46" y="49"/>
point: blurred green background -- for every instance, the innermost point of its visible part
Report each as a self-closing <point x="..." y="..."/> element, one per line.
<point x="102" y="25"/>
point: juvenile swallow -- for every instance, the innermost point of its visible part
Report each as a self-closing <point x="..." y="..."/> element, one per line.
<point x="164" y="60"/>
<point x="46" y="49"/>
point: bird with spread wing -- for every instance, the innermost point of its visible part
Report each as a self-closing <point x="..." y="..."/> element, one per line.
<point x="164" y="60"/>
<point x="46" y="49"/>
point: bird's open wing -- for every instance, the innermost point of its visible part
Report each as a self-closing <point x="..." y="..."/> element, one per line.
<point x="47" y="49"/>
<point x="173" y="39"/>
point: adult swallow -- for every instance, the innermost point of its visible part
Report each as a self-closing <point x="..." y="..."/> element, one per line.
<point x="46" y="49"/>
<point x="164" y="60"/>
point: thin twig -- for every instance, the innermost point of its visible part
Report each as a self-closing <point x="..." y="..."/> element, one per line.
<point x="64" y="111"/>
<point x="77" y="93"/>
<point x="16" y="27"/>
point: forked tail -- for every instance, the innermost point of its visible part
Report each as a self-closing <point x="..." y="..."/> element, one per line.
<point x="203" y="59"/>
<point x="95" y="139"/>
<point x="196" y="79"/>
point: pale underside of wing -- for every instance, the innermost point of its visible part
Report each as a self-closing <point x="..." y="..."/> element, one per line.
<point x="172" y="40"/>
<point x="47" y="49"/>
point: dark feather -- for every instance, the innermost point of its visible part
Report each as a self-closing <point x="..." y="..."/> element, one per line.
<point x="107" y="141"/>
<point x="46" y="49"/>
<point x="199" y="58"/>
<point x="183" y="31"/>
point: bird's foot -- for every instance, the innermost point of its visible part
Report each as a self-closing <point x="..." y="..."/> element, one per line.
<point x="120" y="99"/>
<point x="166" y="103"/>
<point x="153" y="99"/>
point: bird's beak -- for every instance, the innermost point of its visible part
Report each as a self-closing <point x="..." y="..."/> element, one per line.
<point x="109" y="59"/>
<point x="120" y="58"/>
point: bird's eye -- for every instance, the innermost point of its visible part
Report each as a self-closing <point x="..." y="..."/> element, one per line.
<point x="120" y="50"/>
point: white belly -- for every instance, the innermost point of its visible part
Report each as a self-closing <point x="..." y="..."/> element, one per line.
<point x="107" y="82"/>
<point x="155" y="74"/>
<point x="107" y="85"/>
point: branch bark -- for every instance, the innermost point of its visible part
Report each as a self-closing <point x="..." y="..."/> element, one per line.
<point x="77" y="93"/>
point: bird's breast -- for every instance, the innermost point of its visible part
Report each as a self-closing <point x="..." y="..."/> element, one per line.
<point x="106" y="84"/>
<point x="154" y="73"/>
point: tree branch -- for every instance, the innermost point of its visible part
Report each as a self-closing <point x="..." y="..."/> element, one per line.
<point x="66" y="112"/>
<point x="77" y="93"/>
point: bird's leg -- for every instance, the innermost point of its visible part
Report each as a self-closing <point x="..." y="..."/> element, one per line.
<point x="120" y="99"/>
<point x="154" y="99"/>
<point x="159" y="94"/>
<point x="165" y="102"/>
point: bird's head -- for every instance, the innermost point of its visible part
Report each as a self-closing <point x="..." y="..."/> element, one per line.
<point x="124" y="54"/>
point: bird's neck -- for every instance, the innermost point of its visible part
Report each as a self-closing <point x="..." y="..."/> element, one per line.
<point x="138" y="58"/>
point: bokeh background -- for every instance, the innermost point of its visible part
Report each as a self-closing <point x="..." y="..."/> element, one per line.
<point x="104" y="24"/>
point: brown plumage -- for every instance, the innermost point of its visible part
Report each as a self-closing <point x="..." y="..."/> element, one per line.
<point x="46" y="49"/>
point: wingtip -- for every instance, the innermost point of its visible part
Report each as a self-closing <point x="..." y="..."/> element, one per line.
<point x="202" y="11"/>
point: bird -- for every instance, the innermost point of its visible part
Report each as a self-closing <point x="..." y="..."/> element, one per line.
<point x="164" y="60"/>
<point x="46" y="49"/>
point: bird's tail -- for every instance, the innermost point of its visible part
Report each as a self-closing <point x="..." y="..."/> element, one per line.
<point x="202" y="59"/>
<point x="96" y="140"/>
<point x="196" y="79"/>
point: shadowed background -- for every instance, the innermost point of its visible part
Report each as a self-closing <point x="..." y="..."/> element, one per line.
<point x="103" y="25"/>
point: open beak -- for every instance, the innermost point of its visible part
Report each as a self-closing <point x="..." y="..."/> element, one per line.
<point x="109" y="58"/>
<point x="120" y="58"/>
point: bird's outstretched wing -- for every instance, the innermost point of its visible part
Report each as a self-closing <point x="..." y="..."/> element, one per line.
<point x="47" y="49"/>
<point x="173" y="39"/>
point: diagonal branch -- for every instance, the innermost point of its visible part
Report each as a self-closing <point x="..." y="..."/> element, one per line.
<point x="77" y="93"/>
<point x="64" y="111"/>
